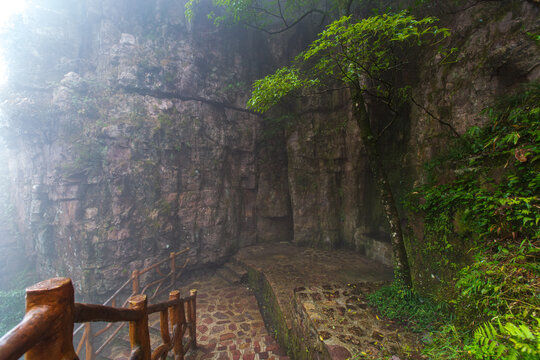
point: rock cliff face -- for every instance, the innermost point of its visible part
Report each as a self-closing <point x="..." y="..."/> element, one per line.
<point x="497" y="53"/>
<point x="334" y="200"/>
<point x="129" y="140"/>
<point x="129" y="137"/>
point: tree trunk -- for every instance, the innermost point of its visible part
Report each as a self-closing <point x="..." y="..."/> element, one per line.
<point x="401" y="264"/>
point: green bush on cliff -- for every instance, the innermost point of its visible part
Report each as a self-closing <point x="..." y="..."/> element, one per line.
<point x="486" y="202"/>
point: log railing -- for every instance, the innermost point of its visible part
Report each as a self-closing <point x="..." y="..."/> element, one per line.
<point x="89" y="339"/>
<point x="46" y="331"/>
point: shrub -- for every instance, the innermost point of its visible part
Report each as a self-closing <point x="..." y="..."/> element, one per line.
<point x="491" y="204"/>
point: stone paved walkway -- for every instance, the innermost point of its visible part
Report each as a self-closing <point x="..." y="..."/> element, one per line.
<point x="229" y="325"/>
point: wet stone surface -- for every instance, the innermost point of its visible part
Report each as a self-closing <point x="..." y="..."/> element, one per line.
<point x="322" y="294"/>
<point x="229" y="324"/>
<point x="287" y="267"/>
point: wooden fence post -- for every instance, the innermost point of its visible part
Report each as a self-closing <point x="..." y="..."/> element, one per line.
<point x="173" y="268"/>
<point x="164" y="326"/>
<point x="176" y="319"/>
<point x="139" y="336"/>
<point x="89" y="344"/>
<point x="192" y="316"/>
<point x="135" y="277"/>
<point x="57" y="342"/>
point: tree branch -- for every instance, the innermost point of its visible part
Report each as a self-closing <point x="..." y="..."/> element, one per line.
<point x="281" y="13"/>
<point x="291" y="25"/>
<point x="265" y="11"/>
<point x="435" y="117"/>
<point x="386" y="127"/>
<point x="348" y="8"/>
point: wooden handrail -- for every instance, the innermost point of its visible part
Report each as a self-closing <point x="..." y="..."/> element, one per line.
<point x="47" y="328"/>
<point x="163" y="305"/>
<point x="139" y="335"/>
<point x="29" y="331"/>
<point x="87" y="312"/>
<point x="89" y="345"/>
<point x="135" y="280"/>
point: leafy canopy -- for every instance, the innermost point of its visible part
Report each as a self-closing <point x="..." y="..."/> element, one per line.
<point x="356" y="53"/>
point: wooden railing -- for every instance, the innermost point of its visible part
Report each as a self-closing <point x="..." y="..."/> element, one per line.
<point x="46" y="331"/>
<point x="90" y="340"/>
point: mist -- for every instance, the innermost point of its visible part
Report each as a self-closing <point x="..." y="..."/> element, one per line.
<point x="335" y="179"/>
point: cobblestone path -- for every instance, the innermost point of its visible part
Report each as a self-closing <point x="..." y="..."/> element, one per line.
<point x="229" y="325"/>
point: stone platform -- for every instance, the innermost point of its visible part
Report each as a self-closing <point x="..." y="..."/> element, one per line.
<point x="287" y="267"/>
<point x="314" y="300"/>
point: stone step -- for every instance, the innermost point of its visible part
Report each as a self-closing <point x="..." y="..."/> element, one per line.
<point x="238" y="269"/>
<point x="121" y="347"/>
<point x="230" y="326"/>
<point x="119" y="350"/>
<point x="241" y="348"/>
<point x="229" y="276"/>
<point x="103" y="357"/>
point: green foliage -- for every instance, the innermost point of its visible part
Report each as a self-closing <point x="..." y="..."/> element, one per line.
<point x="534" y="36"/>
<point x="448" y="343"/>
<point x="399" y="302"/>
<point x="88" y="157"/>
<point x="508" y="341"/>
<point x="11" y="309"/>
<point x="497" y="178"/>
<point x="269" y="91"/>
<point x="486" y="195"/>
<point x="349" y="52"/>
<point x="500" y="285"/>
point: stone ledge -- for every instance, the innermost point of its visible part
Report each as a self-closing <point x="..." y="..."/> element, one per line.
<point x="278" y="272"/>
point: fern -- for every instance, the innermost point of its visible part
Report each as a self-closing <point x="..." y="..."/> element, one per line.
<point x="506" y="341"/>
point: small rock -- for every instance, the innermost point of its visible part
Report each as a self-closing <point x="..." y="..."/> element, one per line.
<point x="338" y="352"/>
<point x="127" y="39"/>
<point x="72" y="80"/>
